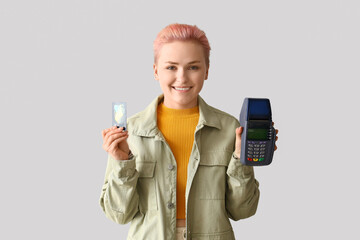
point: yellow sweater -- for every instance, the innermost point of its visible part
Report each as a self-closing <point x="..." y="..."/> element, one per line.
<point x="178" y="127"/>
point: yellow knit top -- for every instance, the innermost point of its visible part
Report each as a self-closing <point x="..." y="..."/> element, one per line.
<point x="178" y="127"/>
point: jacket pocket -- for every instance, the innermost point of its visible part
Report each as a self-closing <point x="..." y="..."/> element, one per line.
<point x="212" y="175"/>
<point x="146" y="186"/>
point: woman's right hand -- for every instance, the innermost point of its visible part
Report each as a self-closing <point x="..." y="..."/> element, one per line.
<point x="114" y="143"/>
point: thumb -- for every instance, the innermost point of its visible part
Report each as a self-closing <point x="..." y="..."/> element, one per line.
<point x="238" y="131"/>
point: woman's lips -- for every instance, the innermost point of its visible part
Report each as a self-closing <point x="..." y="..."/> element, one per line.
<point x="182" y="89"/>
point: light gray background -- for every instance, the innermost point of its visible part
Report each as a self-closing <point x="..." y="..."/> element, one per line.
<point x="62" y="63"/>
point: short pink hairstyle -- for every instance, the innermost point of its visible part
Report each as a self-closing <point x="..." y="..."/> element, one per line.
<point x="182" y="32"/>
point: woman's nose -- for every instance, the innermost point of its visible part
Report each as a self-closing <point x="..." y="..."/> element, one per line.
<point x="181" y="75"/>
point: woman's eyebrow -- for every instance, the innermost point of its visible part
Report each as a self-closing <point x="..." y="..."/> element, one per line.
<point x="175" y="63"/>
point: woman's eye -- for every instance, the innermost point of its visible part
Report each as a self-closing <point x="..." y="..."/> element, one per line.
<point x="171" y="68"/>
<point x="194" y="67"/>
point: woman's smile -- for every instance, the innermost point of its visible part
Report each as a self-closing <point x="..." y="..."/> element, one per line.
<point x="182" y="89"/>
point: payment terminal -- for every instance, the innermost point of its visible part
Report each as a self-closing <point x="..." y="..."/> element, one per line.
<point x="258" y="136"/>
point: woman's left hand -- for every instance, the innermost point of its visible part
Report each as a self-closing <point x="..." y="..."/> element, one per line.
<point x="238" y="132"/>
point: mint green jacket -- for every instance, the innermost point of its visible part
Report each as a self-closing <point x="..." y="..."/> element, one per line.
<point x="142" y="190"/>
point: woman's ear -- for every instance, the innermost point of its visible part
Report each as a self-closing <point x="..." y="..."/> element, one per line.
<point x="155" y="72"/>
<point x="207" y="73"/>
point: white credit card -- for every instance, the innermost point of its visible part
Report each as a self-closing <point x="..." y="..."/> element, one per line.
<point x="119" y="116"/>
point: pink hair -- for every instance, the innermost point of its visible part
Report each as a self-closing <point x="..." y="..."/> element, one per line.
<point x="181" y="32"/>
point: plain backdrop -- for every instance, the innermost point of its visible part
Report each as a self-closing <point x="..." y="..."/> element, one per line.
<point x="62" y="63"/>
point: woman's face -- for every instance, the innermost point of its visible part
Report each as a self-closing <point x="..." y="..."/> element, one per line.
<point x="181" y="71"/>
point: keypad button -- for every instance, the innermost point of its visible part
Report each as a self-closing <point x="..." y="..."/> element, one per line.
<point x="262" y="152"/>
<point x="262" y="156"/>
<point x="262" y="149"/>
<point x="256" y="149"/>
<point x="250" y="148"/>
<point x="251" y="145"/>
<point x="257" y="145"/>
<point x="262" y="145"/>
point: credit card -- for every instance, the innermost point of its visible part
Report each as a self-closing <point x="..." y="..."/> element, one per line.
<point x="119" y="115"/>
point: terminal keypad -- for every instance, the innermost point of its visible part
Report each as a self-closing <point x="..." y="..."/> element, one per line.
<point x="256" y="151"/>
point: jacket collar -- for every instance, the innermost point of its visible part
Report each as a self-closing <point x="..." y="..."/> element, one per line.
<point x="147" y="119"/>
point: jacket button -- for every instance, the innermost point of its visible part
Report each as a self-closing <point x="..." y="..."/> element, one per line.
<point x="170" y="205"/>
<point x="171" y="167"/>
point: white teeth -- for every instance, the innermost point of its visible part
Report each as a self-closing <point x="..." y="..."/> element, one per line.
<point x="181" y="89"/>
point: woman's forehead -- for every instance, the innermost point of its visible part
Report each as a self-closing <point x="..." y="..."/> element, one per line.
<point x="180" y="51"/>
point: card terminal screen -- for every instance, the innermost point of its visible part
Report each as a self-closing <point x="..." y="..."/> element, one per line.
<point x="259" y="110"/>
<point x="257" y="134"/>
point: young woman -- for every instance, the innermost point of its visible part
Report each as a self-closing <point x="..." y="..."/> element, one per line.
<point x="175" y="174"/>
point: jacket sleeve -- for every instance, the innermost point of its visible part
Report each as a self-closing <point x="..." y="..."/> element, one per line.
<point x="242" y="193"/>
<point x="119" y="198"/>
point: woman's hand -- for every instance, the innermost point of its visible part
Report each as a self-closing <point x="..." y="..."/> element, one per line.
<point x="238" y="132"/>
<point x="114" y="143"/>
